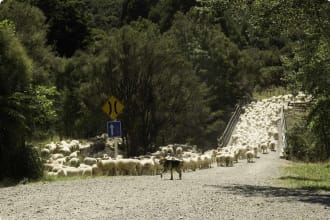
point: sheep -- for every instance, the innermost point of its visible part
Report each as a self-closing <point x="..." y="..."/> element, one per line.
<point x="51" y="173"/>
<point x="105" y="157"/>
<point x="45" y="152"/>
<point x="69" y="171"/>
<point x="49" y="166"/>
<point x="211" y="154"/>
<point x="167" y="150"/>
<point x="264" y="147"/>
<point x="250" y="155"/>
<point x="86" y="170"/>
<point x="89" y="161"/>
<point x="62" y="160"/>
<point x="96" y="171"/>
<point x="51" y="146"/>
<point x="229" y="158"/>
<point x="107" y="167"/>
<point x="147" y="167"/>
<point x="157" y="166"/>
<point x="56" y="156"/>
<point x="255" y="151"/>
<point x="186" y="164"/>
<point x="221" y="159"/>
<point x="236" y="155"/>
<point x="178" y="152"/>
<point x="128" y="166"/>
<point x="64" y="150"/>
<point x="205" y="161"/>
<point x="74" y="154"/>
<point x="272" y="145"/>
<point x="74" y="145"/>
<point x="57" y="167"/>
<point x="74" y="162"/>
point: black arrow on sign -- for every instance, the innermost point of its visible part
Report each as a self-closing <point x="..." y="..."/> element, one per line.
<point x="116" y="107"/>
<point x="110" y="108"/>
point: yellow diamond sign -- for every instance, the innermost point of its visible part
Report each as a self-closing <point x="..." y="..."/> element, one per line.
<point x="113" y="107"/>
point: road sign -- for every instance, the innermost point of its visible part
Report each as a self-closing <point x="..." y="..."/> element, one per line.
<point x="114" y="128"/>
<point x="113" y="107"/>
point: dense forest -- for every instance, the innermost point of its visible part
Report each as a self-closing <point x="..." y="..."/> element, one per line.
<point x="178" y="66"/>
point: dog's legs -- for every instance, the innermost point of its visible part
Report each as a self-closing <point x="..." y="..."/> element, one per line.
<point x="180" y="172"/>
<point x="161" y="173"/>
<point x="171" y="173"/>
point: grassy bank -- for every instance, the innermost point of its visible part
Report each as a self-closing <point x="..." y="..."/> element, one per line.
<point x="313" y="176"/>
<point x="273" y="91"/>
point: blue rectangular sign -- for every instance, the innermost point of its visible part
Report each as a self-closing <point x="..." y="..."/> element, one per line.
<point x="114" y="128"/>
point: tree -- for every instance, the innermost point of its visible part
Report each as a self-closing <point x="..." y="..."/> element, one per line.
<point x="31" y="30"/>
<point x="163" y="11"/>
<point x="217" y="61"/>
<point x="17" y="159"/>
<point x="307" y="67"/>
<point x="148" y="75"/>
<point x="68" y="24"/>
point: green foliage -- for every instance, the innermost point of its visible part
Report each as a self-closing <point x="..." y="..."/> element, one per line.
<point x="308" y="137"/>
<point x="319" y="124"/>
<point x="31" y="30"/>
<point x="145" y="71"/>
<point x="134" y="9"/>
<point x="11" y="67"/>
<point x="68" y="24"/>
<point x="105" y="14"/>
<point x="17" y="159"/>
<point x="44" y="116"/>
<point x="300" y="145"/>
<point x="217" y="60"/>
<point x="163" y="12"/>
<point x="179" y="77"/>
<point x="307" y="67"/>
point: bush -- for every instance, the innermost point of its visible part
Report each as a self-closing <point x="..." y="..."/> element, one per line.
<point x="21" y="161"/>
<point x="302" y="145"/>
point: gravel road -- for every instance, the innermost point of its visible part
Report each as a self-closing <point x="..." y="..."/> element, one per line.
<point x="245" y="191"/>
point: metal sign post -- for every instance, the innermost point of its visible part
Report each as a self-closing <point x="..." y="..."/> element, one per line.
<point x="113" y="107"/>
<point x="114" y="131"/>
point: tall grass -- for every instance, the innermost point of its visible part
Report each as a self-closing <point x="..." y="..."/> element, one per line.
<point x="312" y="176"/>
<point x="273" y="91"/>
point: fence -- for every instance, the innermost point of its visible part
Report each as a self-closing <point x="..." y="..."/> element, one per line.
<point x="300" y="106"/>
<point x="282" y="134"/>
<point x="224" y="139"/>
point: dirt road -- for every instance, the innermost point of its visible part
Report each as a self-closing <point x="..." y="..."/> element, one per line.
<point x="245" y="191"/>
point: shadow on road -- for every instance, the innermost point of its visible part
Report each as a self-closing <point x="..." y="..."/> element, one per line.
<point x="307" y="196"/>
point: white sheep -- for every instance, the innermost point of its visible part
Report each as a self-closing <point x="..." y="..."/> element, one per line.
<point x="221" y="159"/>
<point x="45" y="152"/>
<point x="69" y="171"/>
<point x="250" y="155"/>
<point x="127" y="166"/>
<point x="272" y="145"/>
<point x="264" y="148"/>
<point x="51" y="146"/>
<point x="74" y="162"/>
<point x="86" y="170"/>
<point x="90" y="161"/>
<point x="147" y="166"/>
<point x="74" y="154"/>
<point x="56" y="156"/>
<point x="107" y="167"/>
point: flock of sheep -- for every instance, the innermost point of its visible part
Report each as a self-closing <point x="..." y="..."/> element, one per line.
<point x="255" y="133"/>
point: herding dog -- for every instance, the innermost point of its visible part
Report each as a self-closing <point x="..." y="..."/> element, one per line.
<point x="170" y="164"/>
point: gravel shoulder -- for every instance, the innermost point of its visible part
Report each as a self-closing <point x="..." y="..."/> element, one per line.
<point x="245" y="191"/>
